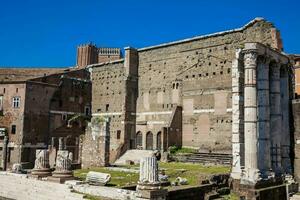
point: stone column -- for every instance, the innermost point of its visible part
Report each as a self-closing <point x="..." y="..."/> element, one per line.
<point x="4" y="153"/>
<point x="285" y="128"/>
<point x="237" y="116"/>
<point x="263" y="112"/>
<point x="41" y="165"/>
<point x="63" y="170"/>
<point x="104" y="140"/>
<point x="275" y="118"/>
<point x="148" y="185"/>
<point x="250" y="173"/>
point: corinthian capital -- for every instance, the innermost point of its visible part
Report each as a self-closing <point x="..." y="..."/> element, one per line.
<point x="250" y="58"/>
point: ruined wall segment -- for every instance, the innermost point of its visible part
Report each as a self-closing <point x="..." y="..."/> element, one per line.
<point x="108" y="95"/>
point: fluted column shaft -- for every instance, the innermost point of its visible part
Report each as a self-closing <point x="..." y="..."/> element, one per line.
<point x="42" y="159"/>
<point x="251" y="174"/>
<point x="148" y="170"/>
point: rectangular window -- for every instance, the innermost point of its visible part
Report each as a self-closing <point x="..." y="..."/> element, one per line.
<point x="118" y="134"/>
<point x="107" y="107"/>
<point x="16" y="102"/>
<point x="13" y="129"/>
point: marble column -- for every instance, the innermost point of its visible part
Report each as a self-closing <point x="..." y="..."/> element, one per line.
<point x="148" y="174"/>
<point x="41" y="165"/>
<point x="251" y="172"/>
<point x="263" y="112"/>
<point x="63" y="170"/>
<point x="285" y="128"/>
<point x="237" y="116"/>
<point x="275" y="118"/>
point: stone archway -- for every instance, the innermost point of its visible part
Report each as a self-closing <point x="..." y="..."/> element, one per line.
<point x="159" y="141"/>
<point x="149" y="141"/>
<point x="139" y="140"/>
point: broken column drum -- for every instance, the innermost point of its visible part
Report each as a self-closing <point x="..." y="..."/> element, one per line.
<point x="63" y="165"/>
<point x="148" y="174"/>
<point x="41" y="165"/>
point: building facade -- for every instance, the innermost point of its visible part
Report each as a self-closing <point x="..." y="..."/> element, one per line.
<point x="177" y="93"/>
<point x="36" y="105"/>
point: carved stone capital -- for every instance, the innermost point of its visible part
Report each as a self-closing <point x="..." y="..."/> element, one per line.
<point x="250" y="58"/>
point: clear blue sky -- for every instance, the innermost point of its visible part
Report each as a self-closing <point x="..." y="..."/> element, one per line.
<point x="46" y="32"/>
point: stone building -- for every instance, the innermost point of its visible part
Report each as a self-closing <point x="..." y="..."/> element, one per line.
<point x="177" y="93"/>
<point x="36" y="106"/>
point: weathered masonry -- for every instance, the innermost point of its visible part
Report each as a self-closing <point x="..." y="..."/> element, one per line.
<point x="261" y="95"/>
<point x="177" y="93"/>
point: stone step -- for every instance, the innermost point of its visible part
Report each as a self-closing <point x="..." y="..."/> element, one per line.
<point x="133" y="155"/>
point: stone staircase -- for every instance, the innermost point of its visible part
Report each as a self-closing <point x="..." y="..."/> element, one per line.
<point x="209" y="158"/>
<point x="133" y="155"/>
<point x="19" y="186"/>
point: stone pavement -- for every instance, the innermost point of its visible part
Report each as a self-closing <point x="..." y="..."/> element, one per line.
<point x="20" y="187"/>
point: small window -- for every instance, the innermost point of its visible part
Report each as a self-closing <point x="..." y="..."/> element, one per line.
<point x="106" y="107"/>
<point x="13" y="129"/>
<point x="16" y="102"/>
<point x="17" y="89"/>
<point x="87" y="110"/>
<point x="3" y="90"/>
<point x="118" y="134"/>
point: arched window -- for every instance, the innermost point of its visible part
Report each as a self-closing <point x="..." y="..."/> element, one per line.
<point x="177" y="85"/>
<point x="149" y="141"/>
<point x="139" y="140"/>
<point x="159" y="140"/>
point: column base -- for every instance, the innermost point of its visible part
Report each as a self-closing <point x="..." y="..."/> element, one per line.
<point x="148" y="186"/>
<point x="61" y="176"/>
<point x="59" y="179"/>
<point x="158" y="194"/>
<point x="40" y="173"/>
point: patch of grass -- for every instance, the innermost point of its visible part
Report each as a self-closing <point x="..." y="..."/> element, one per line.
<point x="176" y="150"/>
<point x="192" y="172"/>
<point x="118" y="179"/>
<point x="231" y="196"/>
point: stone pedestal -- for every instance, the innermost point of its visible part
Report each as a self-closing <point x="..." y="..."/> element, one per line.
<point x="263" y="190"/>
<point x="41" y="166"/>
<point x="149" y="186"/>
<point x="63" y="170"/>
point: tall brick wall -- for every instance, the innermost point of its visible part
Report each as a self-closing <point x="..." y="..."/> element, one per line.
<point x="202" y="69"/>
<point x="194" y="74"/>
